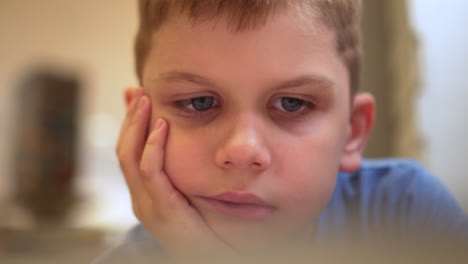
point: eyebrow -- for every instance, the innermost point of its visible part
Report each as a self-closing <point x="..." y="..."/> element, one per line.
<point x="186" y="76"/>
<point x="314" y="80"/>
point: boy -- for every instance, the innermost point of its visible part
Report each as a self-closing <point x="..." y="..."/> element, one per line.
<point x="247" y="132"/>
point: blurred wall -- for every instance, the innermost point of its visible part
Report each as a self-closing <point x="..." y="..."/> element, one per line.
<point x="391" y="73"/>
<point x="443" y="109"/>
<point x="93" y="39"/>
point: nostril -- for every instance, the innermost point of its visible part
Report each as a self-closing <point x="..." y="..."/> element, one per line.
<point x="242" y="157"/>
<point x="257" y="165"/>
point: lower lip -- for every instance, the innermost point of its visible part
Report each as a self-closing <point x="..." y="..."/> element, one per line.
<point x="240" y="210"/>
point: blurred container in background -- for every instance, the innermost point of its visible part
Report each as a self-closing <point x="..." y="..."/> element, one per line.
<point x="45" y="144"/>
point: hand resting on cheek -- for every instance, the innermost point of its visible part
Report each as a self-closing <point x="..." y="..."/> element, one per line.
<point x="164" y="211"/>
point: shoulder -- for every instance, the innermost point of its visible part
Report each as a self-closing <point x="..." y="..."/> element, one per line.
<point x="137" y="247"/>
<point x="399" y="193"/>
<point x="394" y="177"/>
<point x="395" y="182"/>
<point x="386" y="181"/>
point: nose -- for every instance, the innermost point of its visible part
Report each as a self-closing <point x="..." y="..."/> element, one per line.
<point x="244" y="147"/>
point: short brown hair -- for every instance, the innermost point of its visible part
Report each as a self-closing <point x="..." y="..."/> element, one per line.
<point x="342" y="16"/>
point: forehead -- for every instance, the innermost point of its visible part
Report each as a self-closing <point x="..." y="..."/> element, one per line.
<point x="289" y="44"/>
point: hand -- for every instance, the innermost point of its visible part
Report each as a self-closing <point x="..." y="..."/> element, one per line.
<point x="161" y="208"/>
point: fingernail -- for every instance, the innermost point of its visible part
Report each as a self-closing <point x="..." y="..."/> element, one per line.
<point x="142" y="102"/>
<point x="135" y="100"/>
<point x="159" y="123"/>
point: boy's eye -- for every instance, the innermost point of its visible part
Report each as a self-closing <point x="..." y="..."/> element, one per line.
<point x="202" y="103"/>
<point x="289" y="104"/>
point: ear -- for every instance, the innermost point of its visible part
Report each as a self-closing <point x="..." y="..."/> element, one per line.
<point x="359" y="128"/>
<point x="130" y="93"/>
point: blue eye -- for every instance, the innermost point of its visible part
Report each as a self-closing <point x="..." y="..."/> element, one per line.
<point x="289" y="104"/>
<point x="202" y="103"/>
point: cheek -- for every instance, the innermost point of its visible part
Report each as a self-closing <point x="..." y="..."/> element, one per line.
<point x="187" y="160"/>
<point x="313" y="182"/>
<point x="307" y="174"/>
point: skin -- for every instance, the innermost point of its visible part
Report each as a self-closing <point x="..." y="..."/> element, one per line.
<point x="247" y="141"/>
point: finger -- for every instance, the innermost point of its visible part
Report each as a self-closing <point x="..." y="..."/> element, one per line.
<point x="155" y="180"/>
<point x="133" y="95"/>
<point x="121" y="151"/>
<point x="153" y="154"/>
<point x="130" y="93"/>
<point x="137" y="128"/>
<point x="131" y="109"/>
<point x="131" y="146"/>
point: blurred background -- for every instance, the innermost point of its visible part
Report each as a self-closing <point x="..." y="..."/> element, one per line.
<point x="76" y="56"/>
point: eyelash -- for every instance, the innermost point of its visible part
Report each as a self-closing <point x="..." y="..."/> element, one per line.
<point x="306" y="108"/>
<point x="183" y="106"/>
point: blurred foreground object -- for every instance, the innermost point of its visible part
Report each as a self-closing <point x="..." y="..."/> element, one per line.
<point x="45" y="149"/>
<point x="50" y="246"/>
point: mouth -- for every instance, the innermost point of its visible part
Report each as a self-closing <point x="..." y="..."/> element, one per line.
<point x="239" y="205"/>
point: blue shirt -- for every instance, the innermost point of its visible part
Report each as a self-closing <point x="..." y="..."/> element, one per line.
<point x="391" y="195"/>
<point x="382" y="196"/>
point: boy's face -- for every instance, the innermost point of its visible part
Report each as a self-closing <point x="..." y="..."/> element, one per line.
<point x="261" y="113"/>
